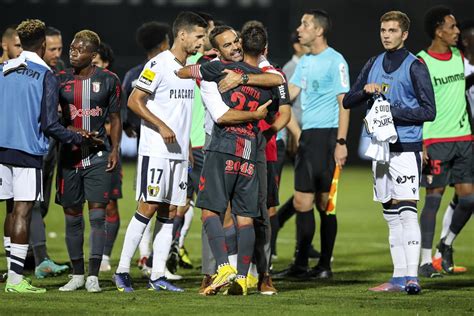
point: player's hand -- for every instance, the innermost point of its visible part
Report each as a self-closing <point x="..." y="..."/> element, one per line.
<point x="93" y="140"/>
<point x="372" y="88"/>
<point x="130" y="132"/>
<point x="230" y="81"/>
<point x="168" y="135"/>
<point x="80" y="131"/>
<point x="426" y="158"/>
<point x="340" y="155"/>
<point x="262" y="110"/>
<point x="112" y="160"/>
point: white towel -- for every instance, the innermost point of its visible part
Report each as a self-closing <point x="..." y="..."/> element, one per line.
<point x="13" y="64"/>
<point x="379" y="123"/>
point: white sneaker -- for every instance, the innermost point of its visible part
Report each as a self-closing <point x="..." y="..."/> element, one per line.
<point x="76" y="282"/>
<point x="105" y="264"/>
<point x="92" y="284"/>
<point x="171" y="276"/>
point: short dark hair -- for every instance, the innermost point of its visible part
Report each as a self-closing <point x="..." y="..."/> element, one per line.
<point x="206" y="16"/>
<point x="253" y="23"/>
<point x="31" y="34"/>
<point x="435" y="18"/>
<point x="219" y="23"/>
<point x="106" y="53"/>
<point x="187" y="20"/>
<point x="217" y="31"/>
<point x="151" y="34"/>
<point x="323" y="18"/>
<point x="254" y="40"/>
<point x="52" y="31"/>
<point x="9" y="32"/>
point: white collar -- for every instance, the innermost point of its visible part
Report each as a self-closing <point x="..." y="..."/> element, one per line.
<point x="34" y="58"/>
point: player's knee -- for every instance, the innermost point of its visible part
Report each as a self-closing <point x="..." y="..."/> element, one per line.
<point x="97" y="218"/>
<point x="466" y="203"/>
<point x="302" y="205"/>
<point x="74" y="223"/>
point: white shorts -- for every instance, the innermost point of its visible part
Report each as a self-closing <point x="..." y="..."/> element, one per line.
<point x="398" y="179"/>
<point x="21" y="184"/>
<point x="162" y="180"/>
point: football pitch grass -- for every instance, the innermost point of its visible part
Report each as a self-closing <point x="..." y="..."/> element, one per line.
<point x="361" y="260"/>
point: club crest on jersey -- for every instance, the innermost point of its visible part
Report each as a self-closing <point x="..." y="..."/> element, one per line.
<point x="153" y="190"/>
<point x="96" y="87"/>
<point x="385" y="87"/>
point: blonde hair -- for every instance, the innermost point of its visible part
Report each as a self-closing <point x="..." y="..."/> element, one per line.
<point x="90" y="37"/>
<point x="398" y="16"/>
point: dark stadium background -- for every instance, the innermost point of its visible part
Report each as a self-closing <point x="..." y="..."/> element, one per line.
<point x="354" y="34"/>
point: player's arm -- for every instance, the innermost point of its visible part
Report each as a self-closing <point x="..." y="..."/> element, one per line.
<point x="233" y="117"/>
<point x="115" y="108"/>
<point x="220" y="112"/>
<point x="340" y="152"/>
<point x="361" y="91"/>
<point x="264" y="80"/>
<point x="50" y="125"/>
<point x="284" y="111"/>
<point x="423" y="88"/>
<point x="137" y="103"/>
<point x="294" y="91"/>
<point x="294" y="128"/>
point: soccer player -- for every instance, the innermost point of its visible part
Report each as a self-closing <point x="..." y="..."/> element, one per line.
<point x="164" y="103"/>
<point x="447" y="139"/>
<point x="404" y="81"/>
<point x="11" y="44"/>
<point x="235" y="149"/>
<point x="45" y="267"/>
<point x="105" y="59"/>
<point x="153" y="38"/>
<point x="466" y="44"/>
<point x="184" y="215"/>
<point x="88" y="96"/>
<point x="322" y="78"/>
<point x="29" y="99"/>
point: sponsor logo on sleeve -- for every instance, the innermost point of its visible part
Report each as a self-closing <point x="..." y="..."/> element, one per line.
<point x="343" y="74"/>
<point x="147" y="77"/>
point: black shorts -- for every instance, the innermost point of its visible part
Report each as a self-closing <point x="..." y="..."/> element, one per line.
<point x="450" y="163"/>
<point x="273" y="182"/>
<point x="75" y="186"/>
<point x="314" y="163"/>
<point x="193" y="176"/>
<point x="116" y="182"/>
<point x="225" y="178"/>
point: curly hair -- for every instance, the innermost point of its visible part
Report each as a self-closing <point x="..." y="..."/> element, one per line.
<point x="31" y="33"/>
<point x="89" y="36"/>
<point x="435" y="18"/>
<point x="151" y="34"/>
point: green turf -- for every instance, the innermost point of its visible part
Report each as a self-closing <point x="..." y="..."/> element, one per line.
<point x="361" y="260"/>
